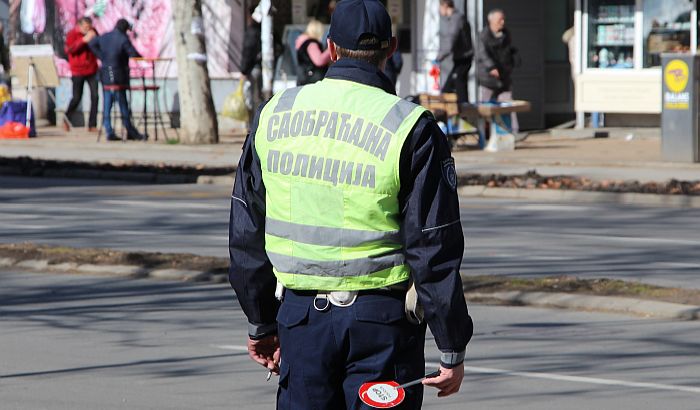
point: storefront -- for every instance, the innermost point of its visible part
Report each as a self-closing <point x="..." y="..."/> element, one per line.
<point x="537" y="26"/>
<point x="619" y="52"/>
<point x="544" y="77"/>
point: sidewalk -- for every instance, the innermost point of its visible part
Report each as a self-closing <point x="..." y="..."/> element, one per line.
<point x="53" y="143"/>
<point x="634" y="155"/>
<point x="628" y="155"/>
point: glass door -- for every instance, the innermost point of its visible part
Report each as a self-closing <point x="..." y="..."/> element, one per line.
<point x="611" y="33"/>
<point x="667" y="28"/>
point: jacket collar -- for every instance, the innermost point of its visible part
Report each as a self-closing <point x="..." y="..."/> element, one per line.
<point x="360" y="72"/>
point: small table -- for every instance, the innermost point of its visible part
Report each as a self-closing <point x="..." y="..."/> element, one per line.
<point x="155" y="88"/>
<point x="444" y="107"/>
<point x="481" y="113"/>
<point x="492" y="113"/>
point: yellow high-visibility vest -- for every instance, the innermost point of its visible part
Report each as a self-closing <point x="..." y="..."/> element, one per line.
<point x="329" y="153"/>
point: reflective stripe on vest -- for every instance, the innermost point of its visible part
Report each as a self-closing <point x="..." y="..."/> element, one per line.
<point x="321" y="235"/>
<point x="330" y="169"/>
<point x="393" y="119"/>
<point x="352" y="267"/>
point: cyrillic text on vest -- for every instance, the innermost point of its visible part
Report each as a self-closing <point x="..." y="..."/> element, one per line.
<point x="331" y="170"/>
<point x="338" y="126"/>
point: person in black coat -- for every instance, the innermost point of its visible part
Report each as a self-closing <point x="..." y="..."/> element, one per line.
<point x="251" y="62"/>
<point x="393" y="67"/>
<point x="114" y="50"/>
<point x="455" y="42"/>
<point x="496" y="60"/>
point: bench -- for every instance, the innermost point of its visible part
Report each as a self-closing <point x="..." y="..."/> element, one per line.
<point x="488" y="117"/>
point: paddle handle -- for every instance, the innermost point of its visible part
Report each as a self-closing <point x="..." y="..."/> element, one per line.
<point x="418" y="381"/>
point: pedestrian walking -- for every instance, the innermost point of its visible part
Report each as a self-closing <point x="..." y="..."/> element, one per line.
<point x="455" y="42"/>
<point x="251" y="61"/>
<point x="394" y="64"/>
<point x="393" y="68"/>
<point x="496" y="60"/>
<point x="114" y="50"/>
<point x="83" y="67"/>
<point x="345" y="209"/>
<point x="313" y="60"/>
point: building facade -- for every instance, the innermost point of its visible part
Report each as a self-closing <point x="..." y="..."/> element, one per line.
<point x="537" y="26"/>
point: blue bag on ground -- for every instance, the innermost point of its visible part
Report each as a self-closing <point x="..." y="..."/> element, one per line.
<point x="16" y="111"/>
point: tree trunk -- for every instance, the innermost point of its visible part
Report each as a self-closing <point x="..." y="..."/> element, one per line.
<point x="197" y="114"/>
<point x="15" y="6"/>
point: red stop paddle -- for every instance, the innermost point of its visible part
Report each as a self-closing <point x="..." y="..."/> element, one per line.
<point x="385" y="395"/>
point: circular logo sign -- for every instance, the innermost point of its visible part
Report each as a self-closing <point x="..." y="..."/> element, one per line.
<point x="449" y="173"/>
<point x="381" y="395"/>
<point x="676" y="75"/>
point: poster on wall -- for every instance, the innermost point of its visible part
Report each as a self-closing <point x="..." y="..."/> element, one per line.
<point x="153" y="31"/>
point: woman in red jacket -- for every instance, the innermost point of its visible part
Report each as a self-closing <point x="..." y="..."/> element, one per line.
<point x="83" y="66"/>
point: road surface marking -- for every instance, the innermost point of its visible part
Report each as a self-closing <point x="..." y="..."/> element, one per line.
<point x="578" y="379"/>
<point x="545" y="376"/>
<point x="614" y="238"/>
<point x="231" y="347"/>
<point x="549" y="208"/>
<point x="177" y="204"/>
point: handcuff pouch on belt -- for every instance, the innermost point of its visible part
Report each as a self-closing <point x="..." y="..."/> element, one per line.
<point x="335" y="298"/>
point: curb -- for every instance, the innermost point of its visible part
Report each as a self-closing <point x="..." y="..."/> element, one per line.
<point x="226" y="180"/>
<point x="145" y="173"/>
<point x="608" y="304"/>
<point x="128" y="271"/>
<point x="679" y="201"/>
<point x="86" y="173"/>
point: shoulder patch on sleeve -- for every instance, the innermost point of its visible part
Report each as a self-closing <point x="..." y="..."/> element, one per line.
<point x="449" y="173"/>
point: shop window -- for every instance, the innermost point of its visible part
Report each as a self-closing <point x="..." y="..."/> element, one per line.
<point x="666" y="29"/>
<point x="611" y="33"/>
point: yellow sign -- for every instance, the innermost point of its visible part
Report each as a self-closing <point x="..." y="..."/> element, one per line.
<point x="676" y="75"/>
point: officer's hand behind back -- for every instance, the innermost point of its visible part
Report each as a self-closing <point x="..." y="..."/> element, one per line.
<point x="266" y="352"/>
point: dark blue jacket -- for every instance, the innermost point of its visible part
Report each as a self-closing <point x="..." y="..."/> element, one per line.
<point x="430" y="226"/>
<point x="114" y="50"/>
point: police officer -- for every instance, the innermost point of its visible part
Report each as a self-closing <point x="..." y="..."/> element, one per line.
<point x="345" y="196"/>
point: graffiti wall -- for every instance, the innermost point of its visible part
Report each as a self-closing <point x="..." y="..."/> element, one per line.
<point x="153" y="34"/>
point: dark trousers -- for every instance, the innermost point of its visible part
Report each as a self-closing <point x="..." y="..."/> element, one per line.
<point x="458" y="81"/>
<point x="327" y="355"/>
<point x="78" y="84"/>
<point x="120" y="97"/>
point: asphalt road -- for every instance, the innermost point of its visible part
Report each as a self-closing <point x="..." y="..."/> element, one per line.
<point x="509" y="237"/>
<point x="89" y="342"/>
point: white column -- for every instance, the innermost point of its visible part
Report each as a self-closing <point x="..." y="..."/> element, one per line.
<point x="473" y="14"/>
<point x="639" y="36"/>
<point x="268" y="53"/>
<point x="426" y="42"/>
<point x="430" y="43"/>
<point x="694" y="31"/>
<point x="580" y="54"/>
<point x="30" y="77"/>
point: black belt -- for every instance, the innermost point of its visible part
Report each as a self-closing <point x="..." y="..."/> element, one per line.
<point x="397" y="291"/>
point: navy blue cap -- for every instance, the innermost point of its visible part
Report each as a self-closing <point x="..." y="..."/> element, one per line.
<point x="353" y="20"/>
